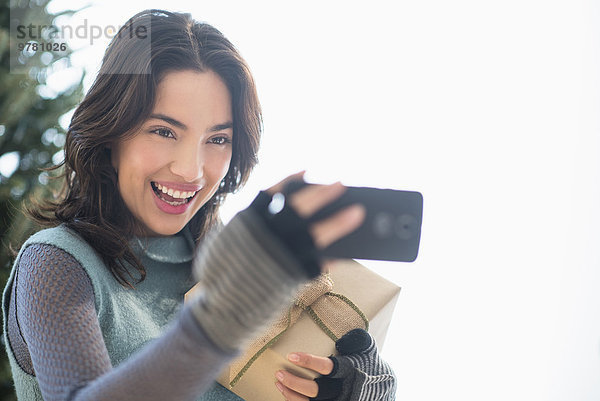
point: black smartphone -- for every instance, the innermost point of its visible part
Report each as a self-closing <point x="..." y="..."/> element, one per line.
<point x="391" y="230"/>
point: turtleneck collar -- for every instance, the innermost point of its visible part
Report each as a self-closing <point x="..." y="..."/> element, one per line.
<point x="178" y="248"/>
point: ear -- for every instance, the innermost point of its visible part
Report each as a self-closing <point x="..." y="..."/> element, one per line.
<point x="112" y="155"/>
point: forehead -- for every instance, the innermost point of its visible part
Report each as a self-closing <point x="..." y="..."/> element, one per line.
<point x="197" y="97"/>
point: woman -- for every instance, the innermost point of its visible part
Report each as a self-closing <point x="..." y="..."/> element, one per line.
<point x="92" y="310"/>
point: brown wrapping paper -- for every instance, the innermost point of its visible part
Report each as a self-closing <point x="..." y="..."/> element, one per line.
<point x="374" y="296"/>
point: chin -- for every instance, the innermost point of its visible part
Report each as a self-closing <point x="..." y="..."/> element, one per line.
<point x="171" y="231"/>
<point x="164" y="230"/>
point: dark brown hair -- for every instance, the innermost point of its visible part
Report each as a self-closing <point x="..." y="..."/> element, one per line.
<point x="150" y="45"/>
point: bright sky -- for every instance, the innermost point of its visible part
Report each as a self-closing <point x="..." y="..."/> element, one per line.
<point x="490" y="109"/>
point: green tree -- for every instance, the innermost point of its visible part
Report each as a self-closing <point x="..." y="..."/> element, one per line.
<point x="29" y="131"/>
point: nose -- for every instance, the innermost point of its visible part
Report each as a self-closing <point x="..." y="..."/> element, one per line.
<point x="188" y="162"/>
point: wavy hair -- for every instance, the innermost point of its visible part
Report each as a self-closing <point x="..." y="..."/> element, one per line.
<point x="116" y="106"/>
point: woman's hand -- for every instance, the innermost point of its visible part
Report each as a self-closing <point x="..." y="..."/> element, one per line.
<point x="311" y="199"/>
<point x="357" y="373"/>
<point x="262" y="258"/>
<point x="295" y="388"/>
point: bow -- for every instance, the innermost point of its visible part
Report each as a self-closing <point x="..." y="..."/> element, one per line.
<point x="334" y="313"/>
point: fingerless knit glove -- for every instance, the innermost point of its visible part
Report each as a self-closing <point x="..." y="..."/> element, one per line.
<point x="250" y="270"/>
<point x="358" y="373"/>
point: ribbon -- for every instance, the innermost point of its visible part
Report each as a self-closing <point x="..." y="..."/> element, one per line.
<point x="334" y="313"/>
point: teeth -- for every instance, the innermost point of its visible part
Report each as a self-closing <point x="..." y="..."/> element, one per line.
<point x="175" y="193"/>
<point x="174" y="203"/>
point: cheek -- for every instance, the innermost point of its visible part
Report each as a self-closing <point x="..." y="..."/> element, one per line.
<point x="219" y="165"/>
<point x="225" y="166"/>
<point x="136" y="162"/>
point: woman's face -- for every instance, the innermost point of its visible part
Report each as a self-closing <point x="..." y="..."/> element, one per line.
<point x="174" y="164"/>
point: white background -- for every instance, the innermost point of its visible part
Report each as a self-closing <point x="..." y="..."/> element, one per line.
<point x="491" y="110"/>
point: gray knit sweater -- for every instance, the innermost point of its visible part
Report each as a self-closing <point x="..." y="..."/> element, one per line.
<point x="73" y="332"/>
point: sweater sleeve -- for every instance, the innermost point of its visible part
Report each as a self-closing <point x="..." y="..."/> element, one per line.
<point x="57" y="319"/>
<point x="247" y="273"/>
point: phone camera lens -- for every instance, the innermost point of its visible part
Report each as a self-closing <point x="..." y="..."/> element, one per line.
<point x="405" y="226"/>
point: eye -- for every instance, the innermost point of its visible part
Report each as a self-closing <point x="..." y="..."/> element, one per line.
<point x="164" y="132"/>
<point x="220" y="140"/>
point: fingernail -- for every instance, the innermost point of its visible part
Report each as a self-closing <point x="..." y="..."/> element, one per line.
<point x="294" y="357"/>
<point x="357" y="211"/>
<point x="279" y="375"/>
<point x="279" y="387"/>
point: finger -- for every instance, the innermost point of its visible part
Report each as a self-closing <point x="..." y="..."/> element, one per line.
<point x="312" y="198"/>
<point x="281" y="185"/>
<point x="319" y="364"/>
<point x="305" y="387"/>
<point x="290" y="395"/>
<point x="327" y="231"/>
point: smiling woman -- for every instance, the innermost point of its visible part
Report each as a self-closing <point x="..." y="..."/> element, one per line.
<point x="145" y="174"/>
<point x="191" y="91"/>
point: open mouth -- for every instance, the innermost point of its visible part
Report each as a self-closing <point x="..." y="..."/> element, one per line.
<point x="176" y="198"/>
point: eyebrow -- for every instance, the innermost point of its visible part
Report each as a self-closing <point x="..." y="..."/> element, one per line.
<point x="221" y="127"/>
<point x="179" y="124"/>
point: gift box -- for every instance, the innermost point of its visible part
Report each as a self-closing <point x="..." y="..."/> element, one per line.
<point x="349" y="296"/>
